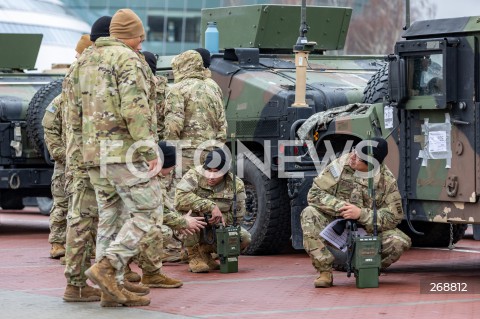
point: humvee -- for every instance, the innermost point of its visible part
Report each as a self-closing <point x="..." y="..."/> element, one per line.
<point x="25" y="165"/>
<point x="426" y="101"/>
<point x="256" y="71"/>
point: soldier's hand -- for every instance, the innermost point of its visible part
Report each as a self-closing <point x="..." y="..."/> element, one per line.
<point x="217" y="216"/>
<point x="350" y="211"/>
<point x="194" y="223"/>
<point x="152" y="165"/>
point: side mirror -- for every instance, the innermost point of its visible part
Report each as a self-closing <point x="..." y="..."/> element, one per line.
<point x="396" y="80"/>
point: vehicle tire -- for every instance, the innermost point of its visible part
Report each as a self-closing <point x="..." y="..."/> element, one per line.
<point x="36" y="110"/>
<point x="435" y="234"/>
<point x="267" y="215"/>
<point x="377" y="87"/>
<point x="9" y="201"/>
<point x="44" y="205"/>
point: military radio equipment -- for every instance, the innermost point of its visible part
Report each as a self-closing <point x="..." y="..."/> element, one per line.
<point x="228" y="238"/>
<point x="364" y="251"/>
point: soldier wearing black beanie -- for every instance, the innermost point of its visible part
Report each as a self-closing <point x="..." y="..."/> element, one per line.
<point x="100" y="28"/>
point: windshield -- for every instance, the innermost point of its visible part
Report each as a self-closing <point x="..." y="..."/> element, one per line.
<point x="425" y="75"/>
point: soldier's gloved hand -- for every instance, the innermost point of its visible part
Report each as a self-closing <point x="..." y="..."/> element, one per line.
<point x="194" y="223"/>
<point x="217" y="217"/>
<point x="350" y="211"/>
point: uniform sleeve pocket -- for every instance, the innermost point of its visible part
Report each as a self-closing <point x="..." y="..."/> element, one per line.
<point x="146" y="193"/>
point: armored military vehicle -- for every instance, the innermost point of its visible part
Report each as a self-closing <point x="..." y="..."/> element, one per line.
<point x="263" y="53"/>
<point x="25" y="165"/>
<point x="427" y="104"/>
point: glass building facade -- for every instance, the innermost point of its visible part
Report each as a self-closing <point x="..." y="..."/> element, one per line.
<point x="171" y="26"/>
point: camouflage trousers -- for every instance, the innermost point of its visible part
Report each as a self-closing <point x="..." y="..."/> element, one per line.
<point x="58" y="213"/>
<point x="81" y="231"/>
<point x="172" y="247"/>
<point x="126" y="206"/>
<point x="394" y="241"/>
<point x="152" y="249"/>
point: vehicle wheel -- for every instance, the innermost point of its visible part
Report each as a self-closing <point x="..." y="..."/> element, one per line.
<point x="36" y="110"/>
<point x="10" y="201"/>
<point x="435" y="234"/>
<point x="377" y="86"/>
<point x="267" y="215"/>
<point x="44" y="205"/>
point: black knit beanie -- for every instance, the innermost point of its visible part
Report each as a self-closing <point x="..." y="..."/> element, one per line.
<point x="216" y="159"/>
<point x="100" y="28"/>
<point x="151" y="60"/>
<point x="205" y="56"/>
<point x="380" y="151"/>
<point x="169" y="156"/>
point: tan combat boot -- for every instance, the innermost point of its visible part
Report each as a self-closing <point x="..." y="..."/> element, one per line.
<point x="131" y="275"/>
<point x="324" y="280"/>
<point x="81" y="294"/>
<point x="132" y="300"/>
<point x="196" y="263"/>
<point x="57" y="251"/>
<point x="103" y="274"/>
<point x="159" y="280"/>
<point x="207" y="251"/>
<point x="139" y="290"/>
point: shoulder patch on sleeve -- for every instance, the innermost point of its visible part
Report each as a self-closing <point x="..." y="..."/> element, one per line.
<point x="52" y="108"/>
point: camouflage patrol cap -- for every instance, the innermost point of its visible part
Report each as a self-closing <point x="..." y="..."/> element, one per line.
<point x="379" y="152"/>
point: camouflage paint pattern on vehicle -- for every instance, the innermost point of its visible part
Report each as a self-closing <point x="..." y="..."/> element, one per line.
<point x="434" y="144"/>
<point x="25" y="171"/>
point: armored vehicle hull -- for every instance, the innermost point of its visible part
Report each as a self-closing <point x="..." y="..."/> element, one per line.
<point x="25" y="166"/>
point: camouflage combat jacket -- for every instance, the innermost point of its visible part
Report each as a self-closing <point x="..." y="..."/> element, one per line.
<point x="193" y="111"/>
<point x="161" y="90"/>
<point x="54" y="130"/>
<point x="194" y="193"/>
<point x="171" y="217"/>
<point x="337" y="185"/>
<point x="110" y="90"/>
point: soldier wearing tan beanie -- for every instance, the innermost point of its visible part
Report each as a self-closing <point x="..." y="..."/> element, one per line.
<point x="83" y="43"/>
<point x="126" y="25"/>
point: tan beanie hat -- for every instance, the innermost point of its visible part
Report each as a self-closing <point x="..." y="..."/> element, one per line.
<point x="126" y="25"/>
<point x="83" y="43"/>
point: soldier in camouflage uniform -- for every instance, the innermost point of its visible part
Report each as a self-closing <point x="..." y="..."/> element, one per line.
<point x="151" y="251"/>
<point x="193" y="111"/>
<point x="208" y="190"/>
<point x="118" y="112"/>
<point x="208" y="74"/>
<point x="339" y="192"/>
<point x="82" y="215"/>
<point x="56" y="146"/>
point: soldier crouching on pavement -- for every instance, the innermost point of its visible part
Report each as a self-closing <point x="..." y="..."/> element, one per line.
<point x="208" y="190"/>
<point x="338" y="192"/>
<point x="151" y="245"/>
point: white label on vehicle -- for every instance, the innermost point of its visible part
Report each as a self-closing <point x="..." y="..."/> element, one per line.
<point x="388" y="116"/>
<point x="437" y="141"/>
